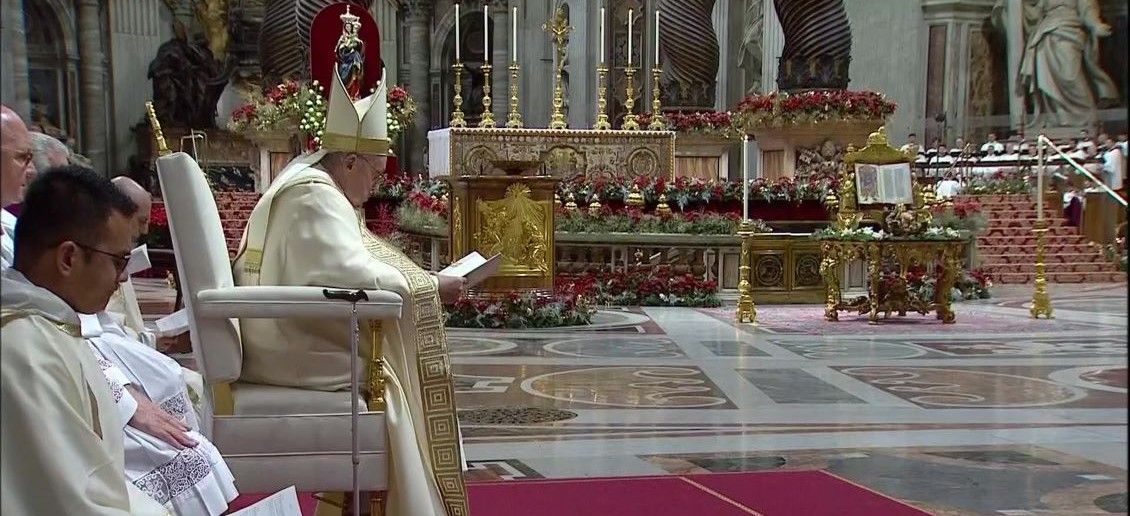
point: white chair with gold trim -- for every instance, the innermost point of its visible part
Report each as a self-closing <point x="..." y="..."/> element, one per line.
<point x="271" y="437"/>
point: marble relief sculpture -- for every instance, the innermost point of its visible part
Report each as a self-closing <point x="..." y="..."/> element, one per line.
<point x="1059" y="72"/>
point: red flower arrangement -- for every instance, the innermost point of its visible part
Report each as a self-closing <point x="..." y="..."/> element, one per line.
<point x="711" y="123"/>
<point x="778" y="108"/>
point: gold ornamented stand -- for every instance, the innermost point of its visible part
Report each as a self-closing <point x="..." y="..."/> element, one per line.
<point x="747" y="312"/>
<point x="488" y="116"/>
<point x="457" y="119"/>
<point x="559" y="29"/>
<point x="658" y="122"/>
<point x="514" y="117"/>
<point x="631" y="121"/>
<point x="1041" y="302"/>
<point x="602" y="123"/>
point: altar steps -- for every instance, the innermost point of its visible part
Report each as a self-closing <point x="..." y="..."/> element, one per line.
<point x="1007" y="247"/>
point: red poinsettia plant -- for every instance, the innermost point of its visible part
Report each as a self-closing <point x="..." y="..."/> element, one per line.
<point x="780" y="109"/>
<point x="707" y="123"/>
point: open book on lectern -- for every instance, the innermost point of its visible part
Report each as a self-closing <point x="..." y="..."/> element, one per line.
<point x="474" y="267"/>
<point x="884" y="184"/>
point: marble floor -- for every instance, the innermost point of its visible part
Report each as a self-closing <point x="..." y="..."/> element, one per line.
<point x="998" y="414"/>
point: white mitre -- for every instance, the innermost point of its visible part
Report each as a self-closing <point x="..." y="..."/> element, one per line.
<point x="359" y="126"/>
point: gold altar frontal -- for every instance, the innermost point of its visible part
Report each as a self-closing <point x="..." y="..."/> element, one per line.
<point x="566" y="153"/>
<point x="511" y="216"/>
<point x="893" y="297"/>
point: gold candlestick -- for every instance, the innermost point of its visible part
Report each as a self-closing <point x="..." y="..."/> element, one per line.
<point x="1041" y="302"/>
<point x="488" y="116"/>
<point x="747" y="311"/>
<point x="658" y="122"/>
<point x="631" y="121"/>
<point x="514" y="117"/>
<point x="559" y="29"/>
<point x="602" y="123"/>
<point x="457" y="119"/>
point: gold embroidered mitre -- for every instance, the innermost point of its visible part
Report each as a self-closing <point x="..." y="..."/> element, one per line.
<point x="357" y="126"/>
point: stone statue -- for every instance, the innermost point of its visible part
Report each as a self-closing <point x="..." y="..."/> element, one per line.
<point x="817" y="44"/>
<point x="752" y="41"/>
<point x="187" y="82"/>
<point x="1059" y="70"/>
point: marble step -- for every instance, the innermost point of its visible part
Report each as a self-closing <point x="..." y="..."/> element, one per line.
<point x="1017" y="231"/>
<point x="1015" y="278"/>
<point x="1030" y="249"/>
<point x="990" y="198"/>
<point x="1027" y="238"/>
<point x="1049" y="258"/>
<point x="1011" y="268"/>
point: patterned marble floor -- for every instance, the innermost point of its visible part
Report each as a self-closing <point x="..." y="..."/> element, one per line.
<point x="1001" y="415"/>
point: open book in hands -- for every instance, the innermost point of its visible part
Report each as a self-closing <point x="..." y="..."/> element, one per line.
<point x="474" y="268"/>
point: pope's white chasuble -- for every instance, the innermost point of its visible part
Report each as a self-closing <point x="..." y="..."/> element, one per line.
<point x="305" y="232"/>
<point x="61" y="449"/>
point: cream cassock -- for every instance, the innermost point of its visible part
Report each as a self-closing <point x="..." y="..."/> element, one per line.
<point x="60" y="445"/>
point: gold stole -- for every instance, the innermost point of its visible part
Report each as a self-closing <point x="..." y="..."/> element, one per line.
<point x="436" y="387"/>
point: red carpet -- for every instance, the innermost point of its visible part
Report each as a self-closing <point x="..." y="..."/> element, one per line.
<point x="766" y="493"/>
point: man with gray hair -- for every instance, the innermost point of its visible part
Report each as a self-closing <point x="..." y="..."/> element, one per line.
<point x="49" y="151"/>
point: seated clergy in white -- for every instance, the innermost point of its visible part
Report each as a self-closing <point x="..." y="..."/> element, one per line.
<point x="308" y="230"/>
<point x="165" y="455"/>
<point x="60" y="448"/>
<point x="123" y="304"/>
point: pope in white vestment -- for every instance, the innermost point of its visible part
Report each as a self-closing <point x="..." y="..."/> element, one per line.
<point x="61" y="450"/>
<point x="305" y="231"/>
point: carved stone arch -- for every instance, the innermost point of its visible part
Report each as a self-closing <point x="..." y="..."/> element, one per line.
<point x="64" y="13"/>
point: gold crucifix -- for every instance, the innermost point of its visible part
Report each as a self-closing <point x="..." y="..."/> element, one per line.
<point x="559" y="29"/>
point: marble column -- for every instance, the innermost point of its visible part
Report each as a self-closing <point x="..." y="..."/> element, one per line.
<point x="384" y="12"/>
<point x="93" y="84"/>
<point x="772" y="45"/>
<point x="500" y="57"/>
<point x="960" y="19"/>
<point x="417" y="19"/>
<point x="137" y="28"/>
<point x="13" y="59"/>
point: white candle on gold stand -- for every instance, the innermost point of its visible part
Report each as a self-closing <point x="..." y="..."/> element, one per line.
<point x="486" y="33"/>
<point x="1040" y="180"/>
<point x="630" y="37"/>
<point x="457" y="57"/>
<point x="514" y="35"/>
<point x="745" y="177"/>
<point x="657" y="38"/>
<point x="602" y="35"/>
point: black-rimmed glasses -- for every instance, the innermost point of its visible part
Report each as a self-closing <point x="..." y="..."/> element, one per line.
<point x="120" y="261"/>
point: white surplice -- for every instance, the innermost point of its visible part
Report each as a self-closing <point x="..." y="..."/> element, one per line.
<point x="61" y="449"/>
<point x="7" y="239"/>
<point x="309" y="234"/>
<point x="192" y="481"/>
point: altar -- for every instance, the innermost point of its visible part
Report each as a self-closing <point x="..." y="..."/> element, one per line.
<point x="566" y="153"/>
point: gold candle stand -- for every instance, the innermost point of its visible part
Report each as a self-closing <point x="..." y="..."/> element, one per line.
<point x="1041" y="302"/>
<point x="514" y="117"/>
<point x="488" y="116"/>
<point x="658" y="122"/>
<point x="631" y="121"/>
<point x="558" y="27"/>
<point x="457" y="119"/>
<point x="602" y="123"/>
<point x="747" y="311"/>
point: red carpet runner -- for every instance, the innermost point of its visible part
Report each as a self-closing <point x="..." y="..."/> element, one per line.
<point x="768" y="493"/>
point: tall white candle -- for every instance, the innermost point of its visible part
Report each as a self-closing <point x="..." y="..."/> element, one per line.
<point x="745" y="177"/>
<point x="602" y="35"/>
<point x="657" y="38"/>
<point x="486" y="33"/>
<point x="457" y="56"/>
<point x="629" y="37"/>
<point x="514" y="35"/>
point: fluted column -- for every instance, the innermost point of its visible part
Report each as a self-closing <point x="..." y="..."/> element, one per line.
<point x="417" y="18"/>
<point x="500" y="41"/>
<point x="772" y="45"/>
<point x="93" y="80"/>
<point x="14" y="58"/>
<point x="384" y="12"/>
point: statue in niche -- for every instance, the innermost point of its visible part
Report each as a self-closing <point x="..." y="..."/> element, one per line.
<point x="1059" y="73"/>
<point x="750" y="57"/>
<point x="350" y="55"/>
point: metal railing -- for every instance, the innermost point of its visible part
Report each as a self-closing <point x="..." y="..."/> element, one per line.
<point x="1043" y="142"/>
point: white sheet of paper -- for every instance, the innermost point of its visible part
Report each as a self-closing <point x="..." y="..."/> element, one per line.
<point x="282" y="503"/>
<point x="173" y="324"/>
<point x="138" y="260"/>
<point x="474" y="267"/>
